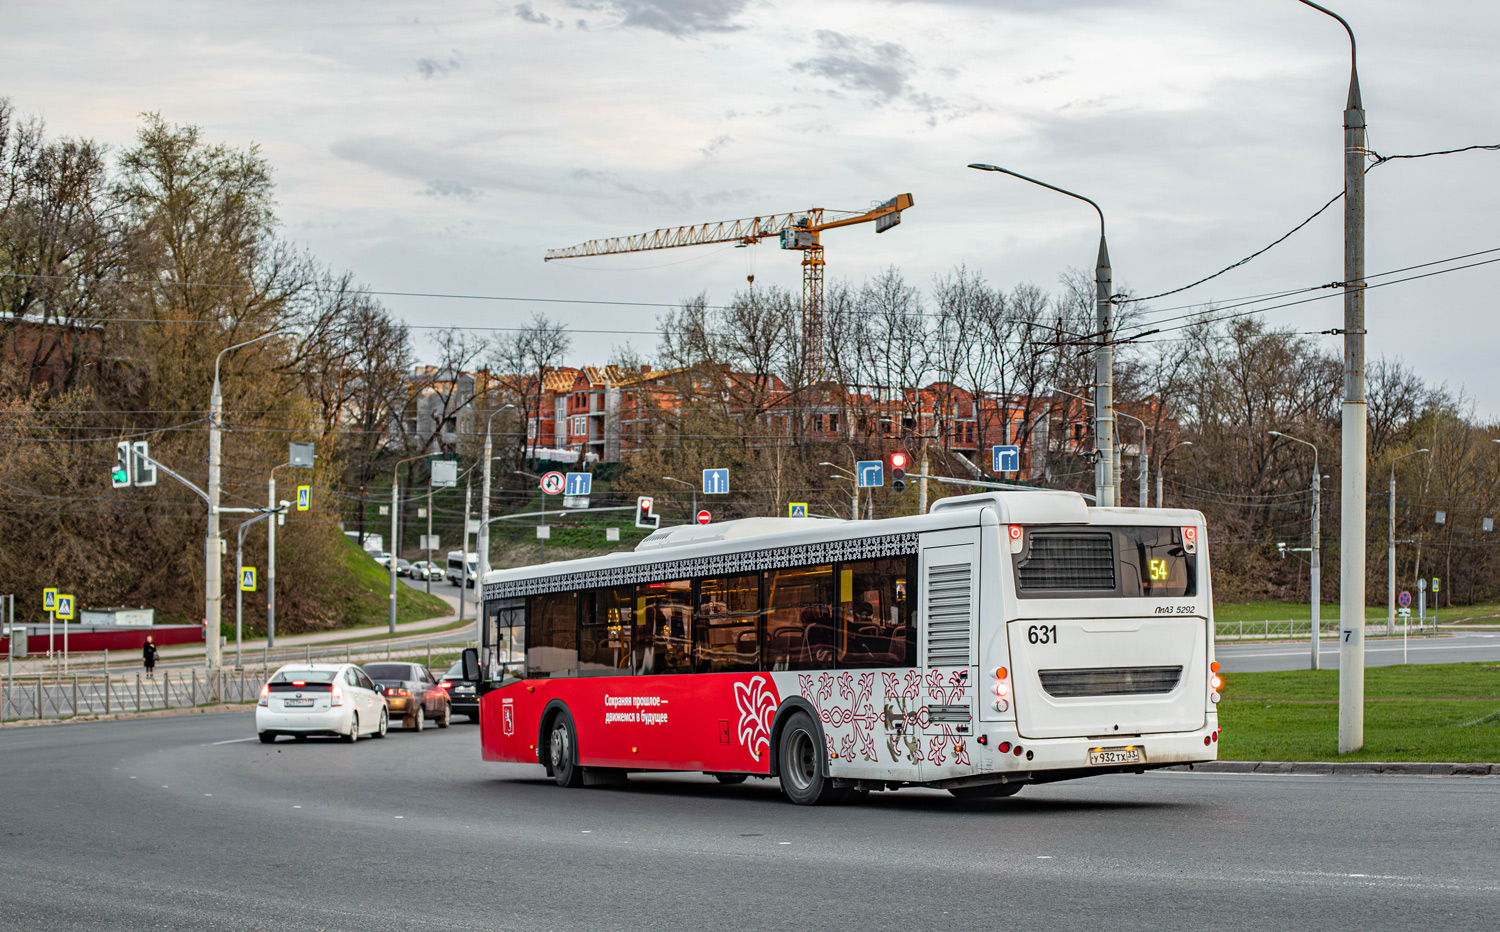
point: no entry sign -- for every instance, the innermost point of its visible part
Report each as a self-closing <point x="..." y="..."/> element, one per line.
<point x="704" y="517"/>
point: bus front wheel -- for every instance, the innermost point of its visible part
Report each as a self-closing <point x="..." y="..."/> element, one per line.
<point x="562" y="752"/>
<point x="801" y="765"/>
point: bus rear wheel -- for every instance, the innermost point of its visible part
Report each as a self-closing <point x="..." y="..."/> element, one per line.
<point x="801" y="760"/>
<point x="562" y="752"/>
<point x="988" y="791"/>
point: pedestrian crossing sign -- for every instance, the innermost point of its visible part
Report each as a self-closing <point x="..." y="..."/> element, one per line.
<point x="64" y="607"/>
<point x="304" y="497"/>
<point x="247" y="579"/>
<point x="49" y="600"/>
<point x="796" y="509"/>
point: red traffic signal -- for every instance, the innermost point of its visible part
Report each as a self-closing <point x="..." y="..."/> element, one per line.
<point x="899" y="461"/>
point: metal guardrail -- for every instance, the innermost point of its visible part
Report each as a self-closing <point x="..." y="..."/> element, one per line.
<point x="54" y="695"/>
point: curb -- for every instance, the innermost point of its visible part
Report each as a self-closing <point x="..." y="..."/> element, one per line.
<point x="126" y="716"/>
<point x="1328" y="768"/>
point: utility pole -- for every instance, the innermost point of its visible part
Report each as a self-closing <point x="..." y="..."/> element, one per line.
<point x="1352" y="499"/>
<point x="1104" y="405"/>
<point x="922" y="481"/>
<point x="429" y="535"/>
<point x="213" y="544"/>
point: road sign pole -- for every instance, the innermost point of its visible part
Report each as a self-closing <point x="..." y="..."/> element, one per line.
<point x="429" y="536"/>
<point x="239" y="596"/>
<point x="51" y="632"/>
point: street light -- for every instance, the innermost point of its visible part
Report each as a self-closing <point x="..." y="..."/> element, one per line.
<point x="1161" y="468"/>
<point x="1390" y="559"/>
<point x="484" y="526"/>
<point x="213" y="544"/>
<point x="846" y="474"/>
<point x="692" y="515"/>
<point x="395" y="543"/>
<point x="1315" y="572"/>
<point x="1104" y="408"/>
<point x="1353" y="414"/>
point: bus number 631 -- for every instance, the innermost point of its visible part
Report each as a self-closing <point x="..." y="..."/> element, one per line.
<point x="1042" y="634"/>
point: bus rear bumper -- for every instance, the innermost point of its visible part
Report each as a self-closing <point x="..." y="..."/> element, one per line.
<point x="1082" y="756"/>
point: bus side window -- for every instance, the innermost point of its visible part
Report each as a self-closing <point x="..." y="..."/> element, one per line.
<point x="552" y="635"/>
<point x="873" y="614"/>
<point x="799" y="622"/>
<point x="604" y="642"/>
<point x="726" y="626"/>
<point x="662" y="641"/>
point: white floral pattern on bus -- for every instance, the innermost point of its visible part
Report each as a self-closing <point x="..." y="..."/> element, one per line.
<point x="757" y="705"/>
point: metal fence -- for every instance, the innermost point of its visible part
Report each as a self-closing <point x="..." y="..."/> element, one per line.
<point x="1269" y="630"/>
<point x="49" y="693"/>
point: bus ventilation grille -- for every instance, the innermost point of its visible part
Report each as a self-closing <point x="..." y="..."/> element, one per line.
<point x="1109" y="681"/>
<point x="1077" y="560"/>
<point x="948" y="615"/>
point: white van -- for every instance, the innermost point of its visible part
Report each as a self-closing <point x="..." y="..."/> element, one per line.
<point x="462" y="568"/>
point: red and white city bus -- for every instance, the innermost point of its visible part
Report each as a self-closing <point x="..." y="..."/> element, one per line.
<point x="1005" y="638"/>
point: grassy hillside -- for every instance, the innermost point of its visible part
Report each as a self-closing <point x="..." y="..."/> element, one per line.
<point x="363" y="593"/>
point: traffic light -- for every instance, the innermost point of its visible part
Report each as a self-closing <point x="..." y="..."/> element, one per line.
<point x="643" y="513"/>
<point x="123" y="456"/>
<point x="145" y="470"/>
<point x="899" y="461"/>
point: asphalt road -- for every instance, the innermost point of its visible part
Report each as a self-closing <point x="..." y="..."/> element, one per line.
<point x="189" y="824"/>
<point x="1260" y="656"/>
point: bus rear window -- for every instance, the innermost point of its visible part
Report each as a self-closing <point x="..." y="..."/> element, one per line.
<point x="1105" y="562"/>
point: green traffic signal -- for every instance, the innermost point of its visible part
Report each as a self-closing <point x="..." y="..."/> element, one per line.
<point x="121" y="476"/>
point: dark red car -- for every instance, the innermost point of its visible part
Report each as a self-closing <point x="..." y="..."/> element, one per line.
<point x="412" y="694"/>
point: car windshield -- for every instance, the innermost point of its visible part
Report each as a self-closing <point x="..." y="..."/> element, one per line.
<point x="389" y="671"/>
<point x="455" y="672"/>
<point x="304" y="676"/>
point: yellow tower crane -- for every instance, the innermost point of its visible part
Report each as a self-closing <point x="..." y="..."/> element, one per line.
<point x="799" y="230"/>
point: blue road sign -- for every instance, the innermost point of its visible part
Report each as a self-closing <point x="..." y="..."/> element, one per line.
<point x="715" y="482"/>
<point x="579" y="483"/>
<point x="1007" y="458"/>
<point x="869" y="474"/>
<point x="1404" y="600"/>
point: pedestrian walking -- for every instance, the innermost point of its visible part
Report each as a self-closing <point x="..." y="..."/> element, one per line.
<point x="148" y="656"/>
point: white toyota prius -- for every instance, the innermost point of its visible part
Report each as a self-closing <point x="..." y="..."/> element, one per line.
<point x="321" y="699"/>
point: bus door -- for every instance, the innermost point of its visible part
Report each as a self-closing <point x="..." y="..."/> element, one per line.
<point x="949" y="593"/>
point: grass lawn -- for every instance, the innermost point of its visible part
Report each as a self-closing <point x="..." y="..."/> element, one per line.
<point x="1282" y="611"/>
<point x="1425" y="712"/>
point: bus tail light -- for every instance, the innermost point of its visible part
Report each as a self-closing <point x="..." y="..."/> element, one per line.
<point x="1189" y="538"/>
<point x="1015" y="538"/>
<point x="265" y="694"/>
<point x="1003" y="747"/>
<point x="338" y="695"/>
<point x="1215" y="681"/>
<point x="1002" y="689"/>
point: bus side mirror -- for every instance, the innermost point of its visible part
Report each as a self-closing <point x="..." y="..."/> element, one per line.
<point x="471" y="664"/>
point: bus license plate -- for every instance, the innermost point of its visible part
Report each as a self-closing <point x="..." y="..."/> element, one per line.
<point x="297" y="703"/>
<point x="1117" y="756"/>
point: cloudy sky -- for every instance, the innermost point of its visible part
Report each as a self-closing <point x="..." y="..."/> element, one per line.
<point x="443" y="147"/>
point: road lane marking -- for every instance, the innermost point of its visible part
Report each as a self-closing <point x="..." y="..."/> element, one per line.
<point x="233" y="741"/>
